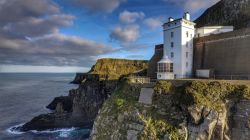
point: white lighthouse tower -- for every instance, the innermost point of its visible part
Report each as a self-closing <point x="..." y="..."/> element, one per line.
<point x="178" y="45"/>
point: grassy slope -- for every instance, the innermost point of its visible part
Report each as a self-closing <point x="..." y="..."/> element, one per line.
<point x="169" y="109"/>
<point x="115" y="68"/>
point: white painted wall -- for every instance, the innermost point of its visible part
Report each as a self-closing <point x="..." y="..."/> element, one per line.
<point x="203" y="73"/>
<point x="208" y="30"/>
<point x="165" y="75"/>
<point x="180" y="27"/>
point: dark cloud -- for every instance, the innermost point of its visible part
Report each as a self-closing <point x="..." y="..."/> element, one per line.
<point x="29" y="35"/>
<point x="38" y="26"/>
<point x="16" y="10"/>
<point x="99" y="5"/>
<point x="53" y="49"/>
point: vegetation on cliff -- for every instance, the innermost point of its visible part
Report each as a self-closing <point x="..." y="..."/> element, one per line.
<point x="115" y="68"/>
<point x="172" y="113"/>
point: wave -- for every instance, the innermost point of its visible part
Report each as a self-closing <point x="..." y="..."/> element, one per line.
<point x="63" y="132"/>
<point x="13" y="130"/>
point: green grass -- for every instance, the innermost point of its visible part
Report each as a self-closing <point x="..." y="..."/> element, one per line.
<point x="113" y="69"/>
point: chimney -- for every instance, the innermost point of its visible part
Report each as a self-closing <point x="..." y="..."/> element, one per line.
<point x="170" y="19"/>
<point x="186" y="16"/>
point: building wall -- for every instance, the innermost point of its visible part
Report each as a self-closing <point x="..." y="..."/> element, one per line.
<point x="179" y="28"/>
<point x="176" y="50"/>
<point x="187" y="47"/>
<point x="227" y="53"/>
<point x="206" y="31"/>
<point x="152" y="69"/>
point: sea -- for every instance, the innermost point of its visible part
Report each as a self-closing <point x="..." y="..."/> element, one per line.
<point x="26" y="95"/>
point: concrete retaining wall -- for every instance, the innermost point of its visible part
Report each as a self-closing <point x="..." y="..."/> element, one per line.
<point x="226" y="53"/>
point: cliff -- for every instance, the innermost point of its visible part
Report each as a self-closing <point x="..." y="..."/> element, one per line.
<point x="113" y="69"/>
<point x="81" y="106"/>
<point x="226" y="12"/>
<point x="201" y="110"/>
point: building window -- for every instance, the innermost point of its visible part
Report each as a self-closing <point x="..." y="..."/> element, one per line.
<point x="186" y="64"/>
<point x="187" y="44"/>
<point x="172" y="34"/>
<point x="165" y="67"/>
<point x="172" y="44"/>
<point x="187" y="33"/>
<point x="172" y="55"/>
<point x="186" y="54"/>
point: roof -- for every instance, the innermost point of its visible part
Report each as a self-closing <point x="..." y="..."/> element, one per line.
<point x="180" y="19"/>
<point x="165" y="59"/>
<point x="216" y="27"/>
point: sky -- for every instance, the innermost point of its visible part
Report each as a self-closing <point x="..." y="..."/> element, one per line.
<point x="70" y="35"/>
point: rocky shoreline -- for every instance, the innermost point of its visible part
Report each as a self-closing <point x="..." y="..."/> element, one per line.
<point x="80" y="108"/>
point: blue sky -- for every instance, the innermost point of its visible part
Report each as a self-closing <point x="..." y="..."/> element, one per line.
<point x="72" y="34"/>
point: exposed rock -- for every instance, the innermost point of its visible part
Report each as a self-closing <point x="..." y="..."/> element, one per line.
<point x="66" y="101"/>
<point x="135" y="126"/>
<point x="132" y="135"/>
<point x="226" y="12"/>
<point x="81" y="106"/>
<point x="196" y="111"/>
<point x="59" y="108"/>
<point x="79" y="78"/>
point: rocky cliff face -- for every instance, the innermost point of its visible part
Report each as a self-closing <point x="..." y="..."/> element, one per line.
<point x="226" y="12"/>
<point x="81" y="106"/>
<point x="194" y="111"/>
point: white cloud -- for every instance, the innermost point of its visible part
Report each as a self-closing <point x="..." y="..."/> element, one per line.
<point x="129" y="33"/>
<point x="130" y="17"/>
<point x="193" y="6"/>
<point x="99" y="5"/>
<point x="153" y="23"/>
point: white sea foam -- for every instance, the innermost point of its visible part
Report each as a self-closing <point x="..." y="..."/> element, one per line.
<point x="54" y="130"/>
<point x="13" y="130"/>
<point x="64" y="132"/>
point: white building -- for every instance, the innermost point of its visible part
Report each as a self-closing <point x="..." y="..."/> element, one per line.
<point x="178" y="45"/>
<point x="165" y="69"/>
<point x="209" y="30"/>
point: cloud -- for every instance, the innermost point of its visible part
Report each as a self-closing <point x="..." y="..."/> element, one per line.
<point x="99" y="5"/>
<point x="16" y="10"/>
<point x="39" y="26"/>
<point x="129" y="33"/>
<point x="193" y="5"/>
<point x="49" y="50"/>
<point x="29" y="35"/>
<point x="130" y="17"/>
<point x="153" y="23"/>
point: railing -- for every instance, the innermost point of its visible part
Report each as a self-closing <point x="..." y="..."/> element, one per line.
<point x="232" y="77"/>
<point x="140" y="79"/>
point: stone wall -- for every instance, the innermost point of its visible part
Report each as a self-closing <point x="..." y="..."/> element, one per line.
<point x="152" y="68"/>
<point x="227" y="53"/>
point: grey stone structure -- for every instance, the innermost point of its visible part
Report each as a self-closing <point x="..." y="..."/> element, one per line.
<point x="152" y="69"/>
<point x="228" y="54"/>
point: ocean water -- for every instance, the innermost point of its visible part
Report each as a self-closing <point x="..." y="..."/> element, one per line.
<point x="24" y="96"/>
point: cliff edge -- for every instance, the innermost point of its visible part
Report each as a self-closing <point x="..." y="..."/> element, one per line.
<point x="204" y="110"/>
<point x="80" y="107"/>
